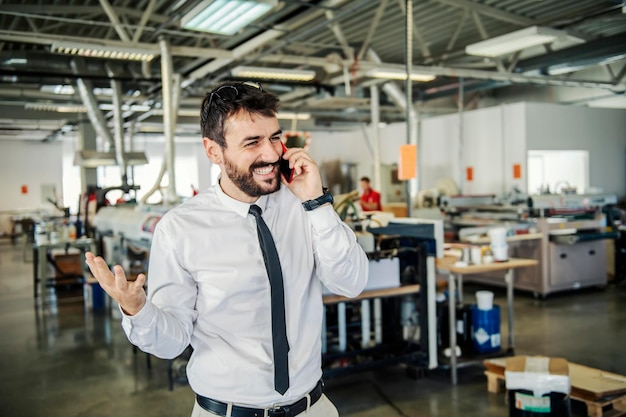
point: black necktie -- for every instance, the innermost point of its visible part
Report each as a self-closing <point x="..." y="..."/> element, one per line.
<point x="275" y="273"/>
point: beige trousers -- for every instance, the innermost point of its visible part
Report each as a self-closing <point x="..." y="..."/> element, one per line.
<point x="322" y="408"/>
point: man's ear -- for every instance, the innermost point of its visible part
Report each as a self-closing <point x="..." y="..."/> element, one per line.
<point x="213" y="150"/>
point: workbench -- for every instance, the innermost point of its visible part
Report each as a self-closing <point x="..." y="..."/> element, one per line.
<point x="42" y="256"/>
<point x="448" y="265"/>
<point x="374" y="347"/>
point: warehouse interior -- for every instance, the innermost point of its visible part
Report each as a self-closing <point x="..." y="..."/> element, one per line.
<point x="500" y="171"/>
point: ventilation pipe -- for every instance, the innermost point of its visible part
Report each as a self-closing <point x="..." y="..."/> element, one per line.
<point x="375" y="106"/>
<point x="118" y="129"/>
<point x="171" y="83"/>
<point x="85" y="90"/>
<point x="169" y="115"/>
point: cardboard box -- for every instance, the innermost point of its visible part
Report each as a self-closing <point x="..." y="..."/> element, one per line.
<point x="69" y="265"/>
<point x="540" y="374"/>
<point x="538" y="386"/>
<point x="588" y="384"/>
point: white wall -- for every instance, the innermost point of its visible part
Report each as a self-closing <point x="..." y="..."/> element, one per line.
<point x="497" y="138"/>
<point x="483" y="151"/>
<point x="515" y="145"/>
<point x="34" y="165"/>
<point x="602" y="132"/>
<point x="439" y="151"/>
<point x="491" y="141"/>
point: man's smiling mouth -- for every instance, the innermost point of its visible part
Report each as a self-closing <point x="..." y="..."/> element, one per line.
<point x="264" y="170"/>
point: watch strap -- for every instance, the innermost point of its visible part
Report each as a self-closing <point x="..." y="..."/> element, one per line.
<point x="326" y="197"/>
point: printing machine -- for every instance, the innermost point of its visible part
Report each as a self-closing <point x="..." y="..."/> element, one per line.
<point x="124" y="234"/>
<point x="566" y="233"/>
<point x="400" y="326"/>
<point x="575" y="232"/>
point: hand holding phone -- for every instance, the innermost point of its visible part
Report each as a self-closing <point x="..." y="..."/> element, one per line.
<point x="286" y="172"/>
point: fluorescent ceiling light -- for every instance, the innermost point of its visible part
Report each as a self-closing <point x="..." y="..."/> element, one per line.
<point x="79" y="108"/>
<point x="399" y="75"/>
<point x="15" y="61"/>
<point x="125" y="107"/>
<point x="225" y="17"/>
<point x="32" y="124"/>
<point x="180" y="112"/>
<point x="64" y="89"/>
<point x="189" y="112"/>
<point x="515" y="41"/>
<point x="273" y="73"/>
<point x="102" y="51"/>
<point x="59" y="108"/>
<point x="293" y="115"/>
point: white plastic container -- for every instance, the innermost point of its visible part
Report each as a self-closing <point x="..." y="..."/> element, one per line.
<point x="500" y="253"/>
<point x="484" y="300"/>
<point x="497" y="236"/>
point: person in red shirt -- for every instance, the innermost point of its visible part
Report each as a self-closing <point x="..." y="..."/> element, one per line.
<point x="370" y="199"/>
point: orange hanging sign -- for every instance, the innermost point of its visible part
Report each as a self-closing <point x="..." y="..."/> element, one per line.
<point x="469" y="174"/>
<point x="407" y="168"/>
<point x="517" y="171"/>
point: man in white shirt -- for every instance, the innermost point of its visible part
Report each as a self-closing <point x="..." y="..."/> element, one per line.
<point x="209" y="284"/>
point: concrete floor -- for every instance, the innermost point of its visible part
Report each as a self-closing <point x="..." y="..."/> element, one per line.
<point x="64" y="361"/>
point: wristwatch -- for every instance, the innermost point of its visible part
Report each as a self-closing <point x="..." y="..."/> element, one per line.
<point x="327" y="197"/>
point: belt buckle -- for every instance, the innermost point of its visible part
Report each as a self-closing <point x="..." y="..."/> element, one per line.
<point x="278" y="411"/>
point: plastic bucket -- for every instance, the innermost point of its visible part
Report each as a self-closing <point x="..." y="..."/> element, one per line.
<point x="484" y="300"/>
<point x="94" y="295"/>
<point x="463" y="328"/>
<point x="97" y="294"/>
<point x="497" y="236"/>
<point x="486" y="329"/>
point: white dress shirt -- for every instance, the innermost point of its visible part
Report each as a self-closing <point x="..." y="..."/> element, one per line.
<point x="208" y="287"/>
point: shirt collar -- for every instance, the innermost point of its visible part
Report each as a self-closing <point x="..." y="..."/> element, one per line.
<point x="237" y="206"/>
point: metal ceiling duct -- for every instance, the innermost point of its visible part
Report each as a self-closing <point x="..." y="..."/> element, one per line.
<point x="594" y="52"/>
<point x="93" y="159"/>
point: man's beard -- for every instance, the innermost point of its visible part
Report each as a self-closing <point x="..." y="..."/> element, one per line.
<point x="244" y="180"/>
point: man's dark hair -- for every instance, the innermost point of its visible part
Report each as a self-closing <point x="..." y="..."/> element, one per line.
<point x="230" y="98"/>
<point x="366" y="179"/>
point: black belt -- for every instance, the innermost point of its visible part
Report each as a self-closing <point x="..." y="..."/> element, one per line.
<point x="219" y="408"/>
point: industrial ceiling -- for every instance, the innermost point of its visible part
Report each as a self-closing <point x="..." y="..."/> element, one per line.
<point x="45" y="94"/>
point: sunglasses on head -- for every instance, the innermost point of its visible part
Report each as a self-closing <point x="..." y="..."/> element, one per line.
<point x="230" y="91"/>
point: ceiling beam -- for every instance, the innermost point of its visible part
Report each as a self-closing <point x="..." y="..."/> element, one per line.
<point x="372" y="29"/>
<point x="348" y="51"/>
<point x="498" y="14"/>
<point x="145" y="17"/>
<point x="486" y="75"/>
<point x="454" y="36"/>
<point x="620" y="76"/>
<point x="45" y="12"/>
<point x="115" y="20"/>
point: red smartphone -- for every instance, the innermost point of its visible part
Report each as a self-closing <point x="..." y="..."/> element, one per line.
<point x="284" y="166"/>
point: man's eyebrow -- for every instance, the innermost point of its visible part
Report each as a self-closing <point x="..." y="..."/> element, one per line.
<point x="257" y="137"/>
<point x="250" y="138"/>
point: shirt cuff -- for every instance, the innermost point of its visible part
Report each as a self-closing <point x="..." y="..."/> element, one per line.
<point x="143" y="318"/>
<point x="323" y="217"/>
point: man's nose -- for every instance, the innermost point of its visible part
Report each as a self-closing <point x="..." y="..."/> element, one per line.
<point x="270" y="151"/>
